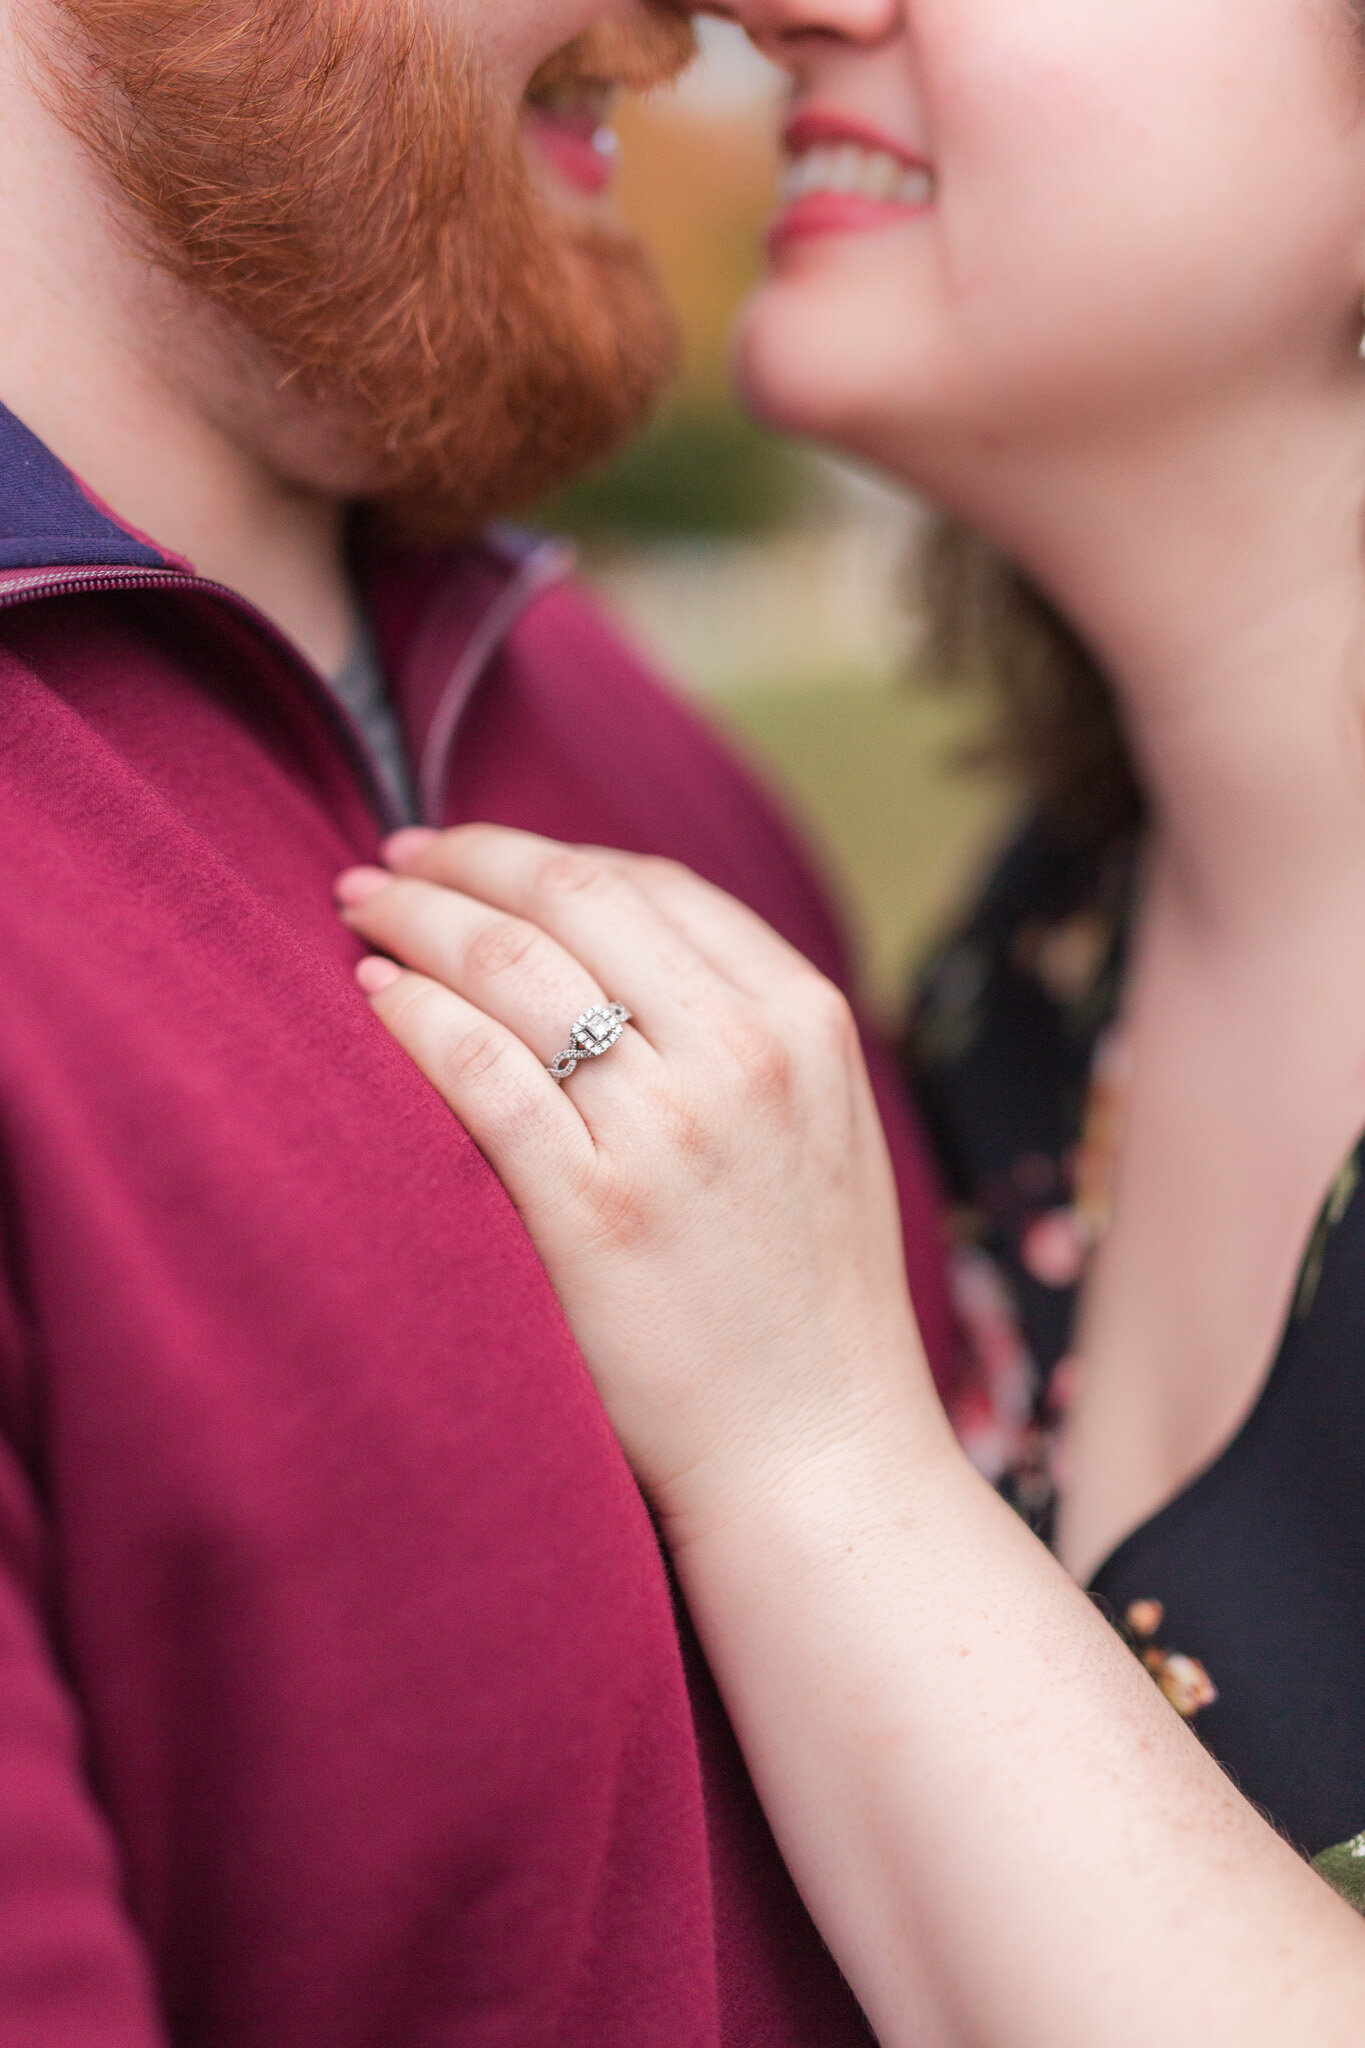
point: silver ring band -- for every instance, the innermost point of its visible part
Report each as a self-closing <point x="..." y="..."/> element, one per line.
<point x="594" y="1033"/>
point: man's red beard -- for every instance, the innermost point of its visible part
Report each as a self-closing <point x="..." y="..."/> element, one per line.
<point x="340" y="183"/>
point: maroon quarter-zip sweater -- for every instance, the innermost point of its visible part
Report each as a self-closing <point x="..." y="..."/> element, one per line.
<point x="343" y="1703"/>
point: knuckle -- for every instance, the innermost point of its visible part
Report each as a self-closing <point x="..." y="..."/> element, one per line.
<point x="694" y="1134"/>
<point x="490" y="1090"/>
<point x="472" y="1055"/>
<point x="832" y="1017"/>
<point x="770" y="1072"/>
<point x="569" y="872"/>
<point x="409" y="1008"/>
<point x="759" y="1058"/>
<point x="681" y="1143"/>
<point x="501" y="946"/>
<point x="624" y="1216"/>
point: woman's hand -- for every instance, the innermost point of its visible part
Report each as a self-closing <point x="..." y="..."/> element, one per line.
<point x="712" y="1198"/>
<point x="1002" y="1829"/>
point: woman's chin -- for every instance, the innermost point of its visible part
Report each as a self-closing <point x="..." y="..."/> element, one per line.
<point x="815" y="370"/>
<point x="792" y="372"/>
<point x="889" y="381"/>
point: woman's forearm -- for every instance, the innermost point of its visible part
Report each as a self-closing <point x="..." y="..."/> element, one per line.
<point x="1004" y="1831"/>
<point x="1006" y="1834"/>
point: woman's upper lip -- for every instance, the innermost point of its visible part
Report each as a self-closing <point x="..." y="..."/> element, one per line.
<point x="821" y="128"/>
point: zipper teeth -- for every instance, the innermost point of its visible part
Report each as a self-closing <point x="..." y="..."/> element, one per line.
<point x="106" y="579"/>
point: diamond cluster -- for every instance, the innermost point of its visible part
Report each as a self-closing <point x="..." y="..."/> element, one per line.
<point x="598" y="1029"/>
<point x="594" y="1033"/>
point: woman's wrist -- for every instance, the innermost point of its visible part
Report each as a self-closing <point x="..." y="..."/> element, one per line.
<point x="866" y="1445"/>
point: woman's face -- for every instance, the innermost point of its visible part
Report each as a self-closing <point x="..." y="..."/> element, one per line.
<point x="1025" y="219"/>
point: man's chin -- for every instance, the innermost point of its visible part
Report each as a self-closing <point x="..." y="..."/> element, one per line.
<point x="406" y="319"/>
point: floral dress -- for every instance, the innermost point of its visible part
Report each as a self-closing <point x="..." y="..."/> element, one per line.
<point x="1245" y="1595"/>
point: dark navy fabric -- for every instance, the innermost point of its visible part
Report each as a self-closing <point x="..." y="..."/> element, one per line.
<point x="1259" y="1564"/>
<point x="45" y="516"/>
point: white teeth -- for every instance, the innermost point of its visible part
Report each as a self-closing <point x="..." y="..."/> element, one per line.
<point x="881" y="176"/>
<point x="846" y="170"/>
<point x="809" y="173"/>
<point x="854" y="171"/>
<point x="916" y="188"/>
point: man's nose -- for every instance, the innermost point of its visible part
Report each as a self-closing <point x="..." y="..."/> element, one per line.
<point x="775" y="23"/>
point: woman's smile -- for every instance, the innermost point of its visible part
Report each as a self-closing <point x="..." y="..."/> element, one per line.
<point x="844" y="178"/>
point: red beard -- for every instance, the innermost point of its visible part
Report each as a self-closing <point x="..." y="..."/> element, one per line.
<point x="338" y="181"/>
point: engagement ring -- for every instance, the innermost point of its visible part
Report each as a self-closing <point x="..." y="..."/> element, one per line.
<point x="595" y="1032"/>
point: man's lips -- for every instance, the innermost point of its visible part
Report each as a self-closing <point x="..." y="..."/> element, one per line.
<point x="578" y="143"/>
<point x="844" y="177"/>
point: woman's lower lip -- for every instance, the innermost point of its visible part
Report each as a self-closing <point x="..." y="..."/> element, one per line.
<point x="573" y="152"/>
<point x="836" y="213"/>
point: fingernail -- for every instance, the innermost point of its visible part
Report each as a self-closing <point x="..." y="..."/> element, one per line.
<point x="357" y="886"/>
<point x="375" y="975"/>
<point x="407" y="844"/>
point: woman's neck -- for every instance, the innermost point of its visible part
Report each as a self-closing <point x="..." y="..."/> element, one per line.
<point x="1220" y="582"/>
<point x="1218" y="575"/>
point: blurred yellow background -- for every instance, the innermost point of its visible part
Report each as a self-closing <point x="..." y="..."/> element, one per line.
<point x="770" y="582"/>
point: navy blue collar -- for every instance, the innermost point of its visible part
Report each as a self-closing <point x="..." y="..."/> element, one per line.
<point x="47" y="520"/>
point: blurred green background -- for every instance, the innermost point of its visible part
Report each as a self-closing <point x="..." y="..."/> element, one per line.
<point x="770" y="583"/>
